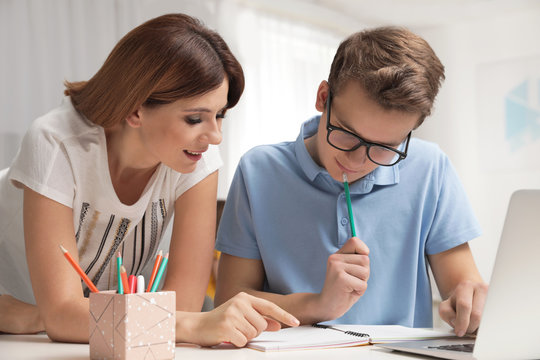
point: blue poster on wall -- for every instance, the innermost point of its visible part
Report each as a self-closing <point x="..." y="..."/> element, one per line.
<point x="522" y="114"/>
<point x="508" y="101"/>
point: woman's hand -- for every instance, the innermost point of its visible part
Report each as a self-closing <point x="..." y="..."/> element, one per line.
<point x="239" y="320"/>
<point x="17" y="317"/>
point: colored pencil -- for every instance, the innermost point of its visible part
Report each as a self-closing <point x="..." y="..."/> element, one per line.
<point x="349" y="205"/>
<point x="132" y="281"/>
<point x="154" y="270"/>
<point x="118" y="271"/>
<point x="160" y="272"/>
<point x="125" y="284"/>
<point x="140" y="284"/>
<point x="80" y="271"/>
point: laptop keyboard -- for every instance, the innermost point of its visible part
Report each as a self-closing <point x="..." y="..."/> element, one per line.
<point x="456" y="347"/>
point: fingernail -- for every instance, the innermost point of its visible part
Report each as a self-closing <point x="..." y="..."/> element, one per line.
<point x="295" y="321"/>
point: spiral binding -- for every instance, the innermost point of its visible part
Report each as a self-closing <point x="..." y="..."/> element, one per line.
<point x="353" y="333"/>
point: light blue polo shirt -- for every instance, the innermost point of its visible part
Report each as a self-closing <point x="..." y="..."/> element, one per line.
<point x="287" y="211"/>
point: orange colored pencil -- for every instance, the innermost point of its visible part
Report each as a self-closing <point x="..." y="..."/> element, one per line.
<point x="155" y="270"/>
<point x="80" y="271"/>
<point x="125" y="283"/>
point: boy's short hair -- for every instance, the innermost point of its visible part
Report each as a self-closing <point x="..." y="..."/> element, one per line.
<point x="397" y="68"/>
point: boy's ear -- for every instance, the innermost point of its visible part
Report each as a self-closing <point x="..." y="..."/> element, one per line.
<point x="134" y="119"/>
<point x="322" y="96"/>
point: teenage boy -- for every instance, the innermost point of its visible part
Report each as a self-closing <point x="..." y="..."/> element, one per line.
<point x="285" y="233"/>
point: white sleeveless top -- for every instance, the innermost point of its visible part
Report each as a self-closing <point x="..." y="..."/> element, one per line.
<point x="63" y="156"/>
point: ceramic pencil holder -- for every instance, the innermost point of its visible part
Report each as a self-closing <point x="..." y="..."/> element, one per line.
<point x="132" y="326"/>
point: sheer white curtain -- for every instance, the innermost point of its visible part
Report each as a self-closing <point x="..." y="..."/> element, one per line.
<point x="284" y="62"/>
<point x="44" y="42"/>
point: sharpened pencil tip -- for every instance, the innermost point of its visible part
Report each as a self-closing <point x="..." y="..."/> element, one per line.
<point x="63" y="249"/>
<point x="345" y="179"/>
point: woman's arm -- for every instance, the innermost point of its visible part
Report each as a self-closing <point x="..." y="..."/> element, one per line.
<point x="190" y="261"/>
<point x="192" y="244"/>
<point x="17" y="317"/>
<point x="57" y="287"/>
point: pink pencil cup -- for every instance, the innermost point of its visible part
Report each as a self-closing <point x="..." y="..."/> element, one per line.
<point x="132" y="326"/>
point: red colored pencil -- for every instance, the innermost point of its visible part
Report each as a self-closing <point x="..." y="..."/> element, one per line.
<point x="80" y="271"/>
<point x="132" y="281"/>
<point x="154" y="270"/>
<point x="125" y="280"/>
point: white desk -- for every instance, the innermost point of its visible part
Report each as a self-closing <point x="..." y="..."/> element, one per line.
<point x="39" y="347"/>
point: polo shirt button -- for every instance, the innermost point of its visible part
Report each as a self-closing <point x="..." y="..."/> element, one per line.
<point x="344" y="221"/>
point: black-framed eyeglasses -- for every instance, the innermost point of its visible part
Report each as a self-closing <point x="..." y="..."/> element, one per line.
<point x="344" y="140"/>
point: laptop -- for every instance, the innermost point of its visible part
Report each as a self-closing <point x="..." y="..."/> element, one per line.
<point x="510" y="324"/>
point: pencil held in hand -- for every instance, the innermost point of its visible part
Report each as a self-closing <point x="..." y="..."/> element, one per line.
<point x="77" y="268"/>
<point x="349" y="205"/>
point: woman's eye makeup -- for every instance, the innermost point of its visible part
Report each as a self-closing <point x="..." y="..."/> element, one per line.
<point x="193" y="120"/>
<point x="197" y="119"/>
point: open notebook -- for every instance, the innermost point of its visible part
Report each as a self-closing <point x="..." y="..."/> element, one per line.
<point x="322" y="336"/>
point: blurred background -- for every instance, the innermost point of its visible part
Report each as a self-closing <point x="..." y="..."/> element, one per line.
<point x="486" y="118"/>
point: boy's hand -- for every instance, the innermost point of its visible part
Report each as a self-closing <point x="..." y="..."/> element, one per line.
<point x="463" y="309"/>
<point x="347" y="273"/>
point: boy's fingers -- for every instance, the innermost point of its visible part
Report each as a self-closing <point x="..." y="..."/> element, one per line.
<point x="477" y="308"/>
<point x="447" y="313"/>
<point x="356" y="271"/>
<point x="355" y="259"/>
<point x="354" y="246"/>
<point x="463" y="305"/>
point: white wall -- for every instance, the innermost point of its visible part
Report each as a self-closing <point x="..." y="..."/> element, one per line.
<point x="466" y="49"/>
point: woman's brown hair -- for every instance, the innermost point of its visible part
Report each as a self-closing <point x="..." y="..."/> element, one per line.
<point x="167" y="58"/>
<point x="398" y="69"/>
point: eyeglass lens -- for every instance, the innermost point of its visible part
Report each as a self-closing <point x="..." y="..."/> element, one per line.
<point x="346" y="141"/>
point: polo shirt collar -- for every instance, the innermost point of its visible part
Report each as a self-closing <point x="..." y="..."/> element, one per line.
<point x="383" y="175"/>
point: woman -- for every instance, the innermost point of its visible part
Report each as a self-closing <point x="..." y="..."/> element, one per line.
<point x="104" y="173"/>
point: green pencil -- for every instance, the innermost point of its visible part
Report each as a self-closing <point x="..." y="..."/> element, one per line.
<point x="119" y="268"/>
<point x="160" y="273"/>
<point x="349" y="205"/>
